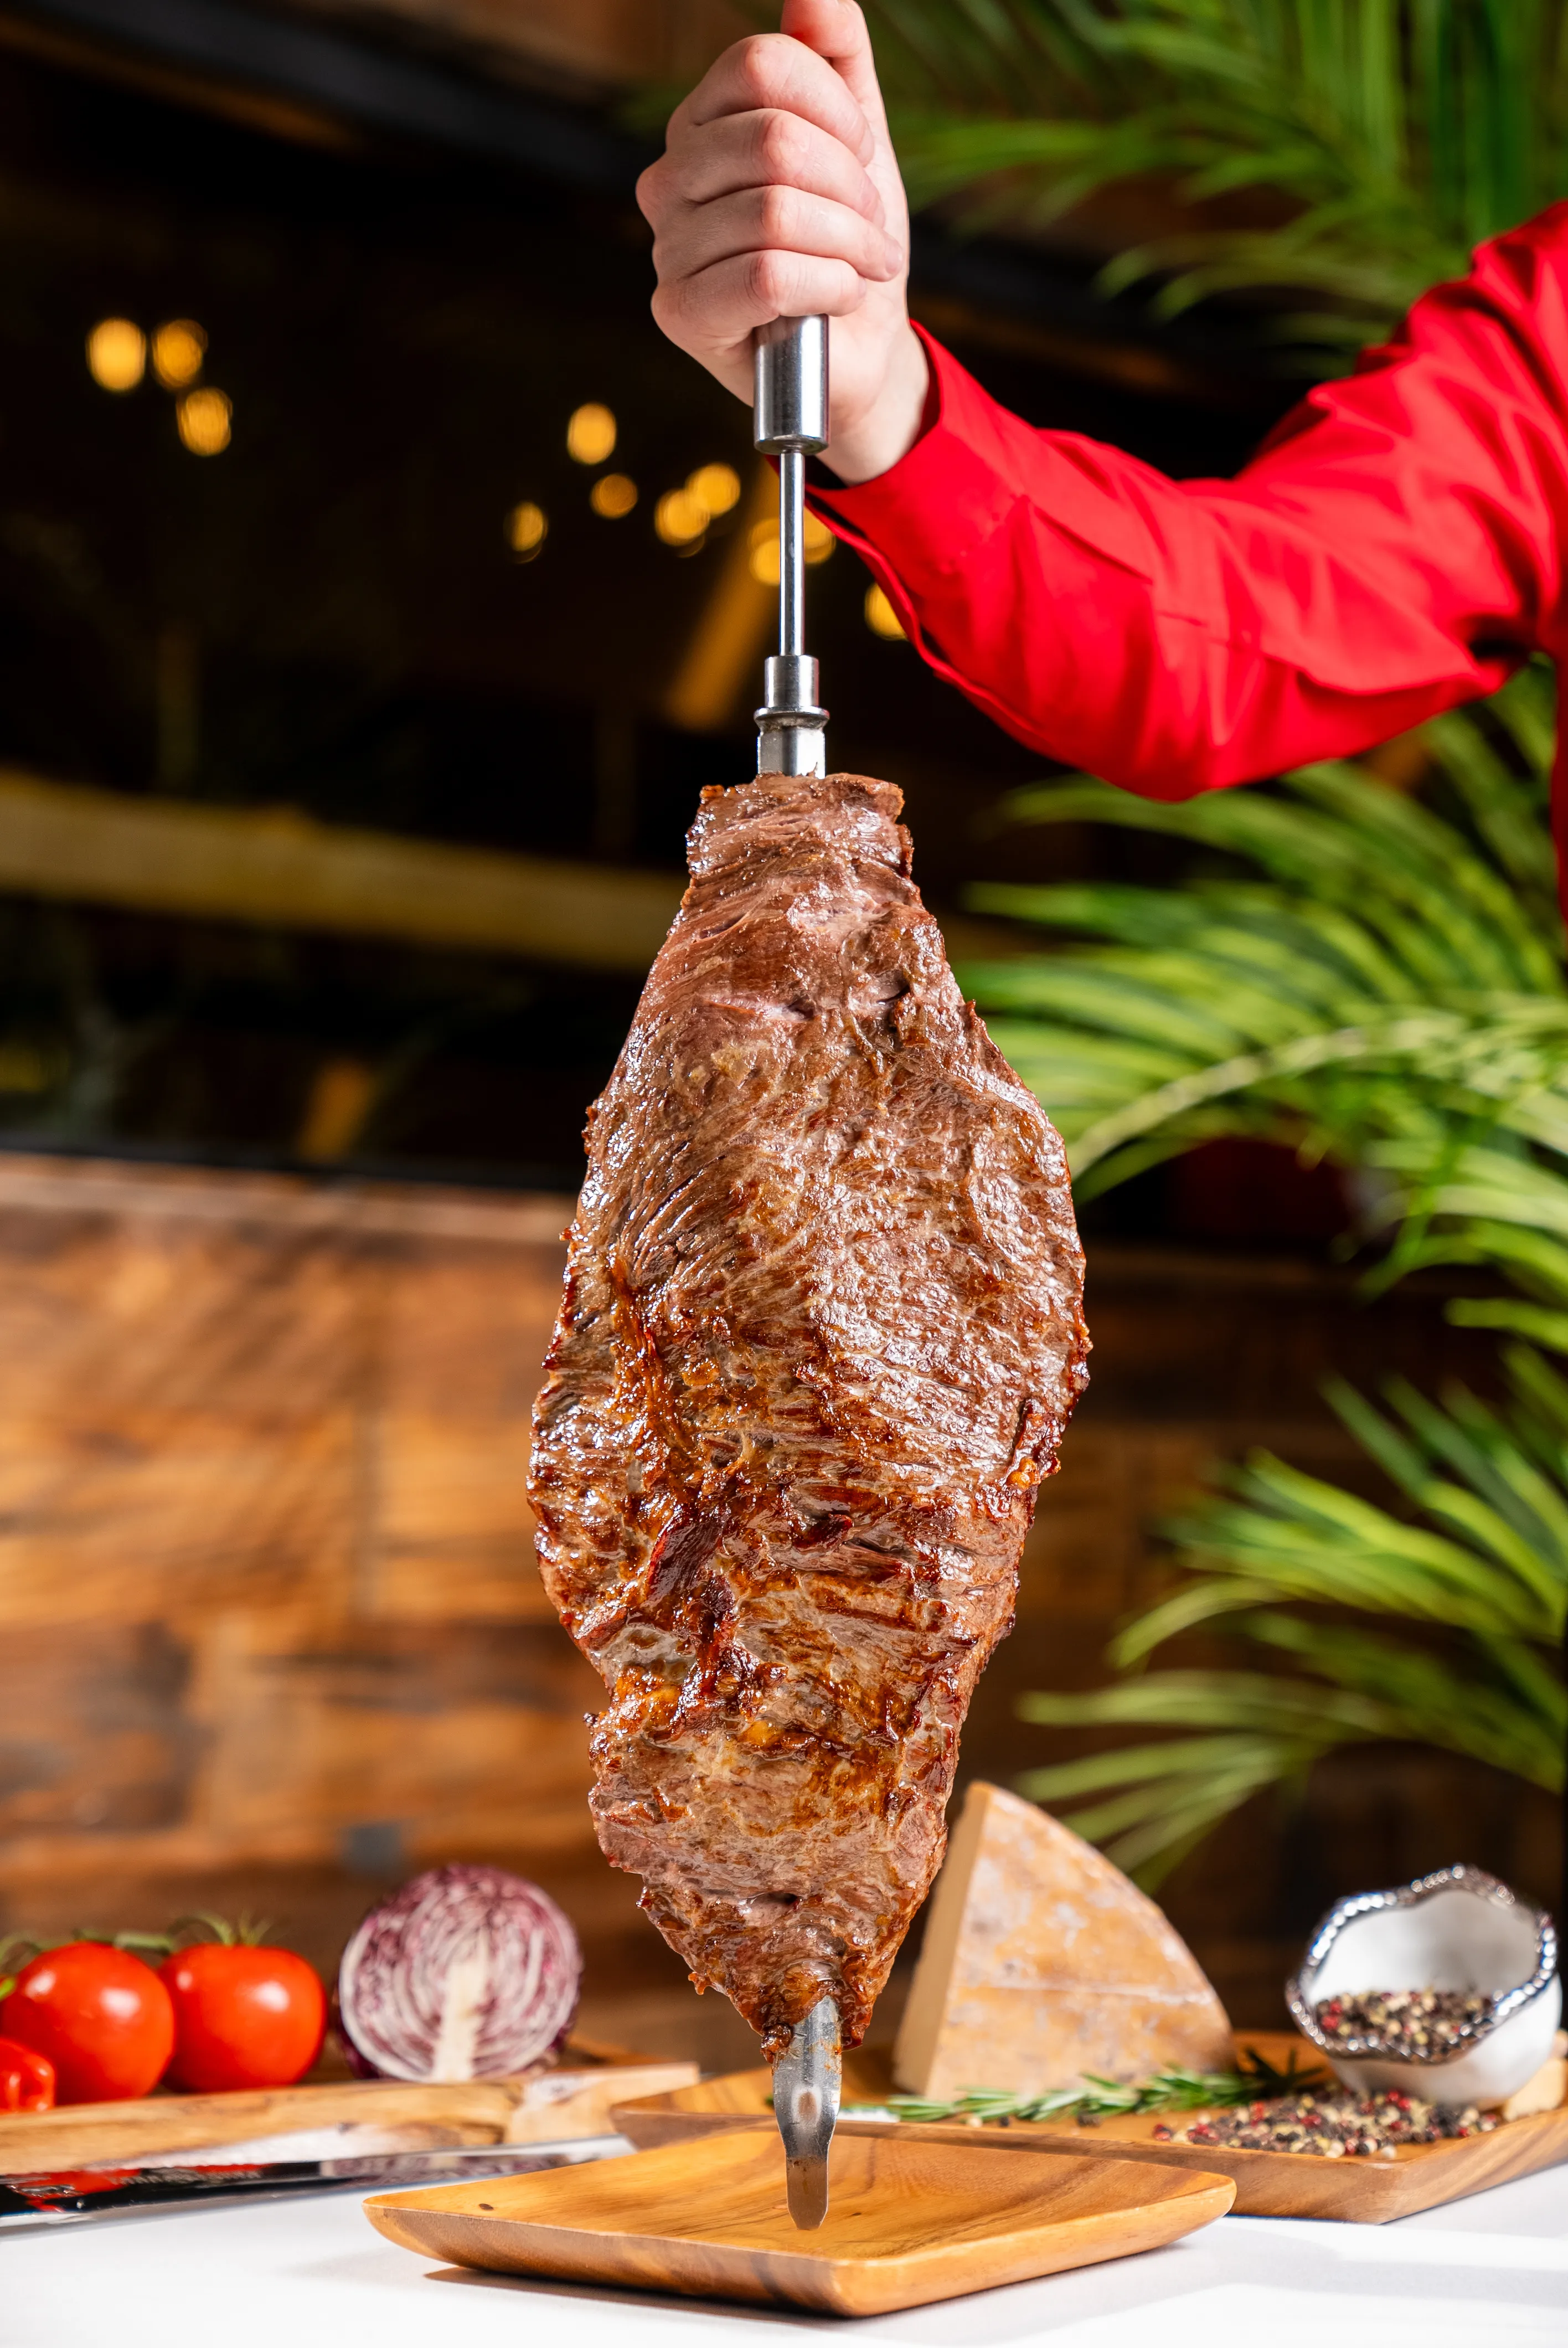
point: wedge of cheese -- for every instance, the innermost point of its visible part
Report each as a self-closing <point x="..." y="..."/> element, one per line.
<point x="1042" y="1964"/>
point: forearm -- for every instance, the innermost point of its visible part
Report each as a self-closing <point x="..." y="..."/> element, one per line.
<point x="1396" y="550"/>
<point x="1179" y="637"/>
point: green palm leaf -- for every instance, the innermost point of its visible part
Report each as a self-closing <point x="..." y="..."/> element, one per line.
<point x="1383" y="986"/>
<point x="1386" y="138"/>
<point x="1270" y="1549"/>
<point x="1390" y="993"/>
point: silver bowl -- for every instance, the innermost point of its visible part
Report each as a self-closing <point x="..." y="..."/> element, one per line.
<point x="1459" y="1928"/>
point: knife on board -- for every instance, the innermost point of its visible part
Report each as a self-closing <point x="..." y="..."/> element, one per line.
<point x="69" y="2196"/>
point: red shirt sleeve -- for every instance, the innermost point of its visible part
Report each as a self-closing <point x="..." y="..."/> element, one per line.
<point x="1394" y="548"/>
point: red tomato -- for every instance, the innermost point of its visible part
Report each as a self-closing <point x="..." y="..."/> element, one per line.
<point x="26" y="2079"/>
<point x="101" y="2016"/>
<point x="243" y="2017"/>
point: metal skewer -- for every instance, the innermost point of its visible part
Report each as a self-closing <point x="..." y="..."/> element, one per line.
<point x="807" y="2082"/>
<point x="790" y="422"/>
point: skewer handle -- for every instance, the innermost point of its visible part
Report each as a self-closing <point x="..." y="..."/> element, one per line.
<point x="807" y="2080"/>
<point x="790" y="422"/>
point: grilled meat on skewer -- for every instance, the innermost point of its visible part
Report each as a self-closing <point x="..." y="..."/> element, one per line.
<point x="820" y="1337"/>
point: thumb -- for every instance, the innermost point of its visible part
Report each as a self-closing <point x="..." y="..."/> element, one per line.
<point x="836" y="30"/>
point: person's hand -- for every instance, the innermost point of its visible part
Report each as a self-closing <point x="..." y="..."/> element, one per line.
<point x="778" y="196"/>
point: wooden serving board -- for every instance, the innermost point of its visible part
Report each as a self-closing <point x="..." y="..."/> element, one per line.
<point x="365" y="2115"/>
<point x="1269" y="2184"/>
<point x="907" y="2223"/>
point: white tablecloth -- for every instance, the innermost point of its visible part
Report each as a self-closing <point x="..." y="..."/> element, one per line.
<point x="312" y="2274"/>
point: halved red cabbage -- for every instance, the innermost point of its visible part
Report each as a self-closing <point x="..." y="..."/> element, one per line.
<point x="466" y="1973"/>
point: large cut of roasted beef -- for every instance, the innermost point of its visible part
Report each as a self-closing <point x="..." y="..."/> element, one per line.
<point x="820" y="1336"/>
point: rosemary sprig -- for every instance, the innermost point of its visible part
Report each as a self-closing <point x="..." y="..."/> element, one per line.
<point x="1174" y="2088"/>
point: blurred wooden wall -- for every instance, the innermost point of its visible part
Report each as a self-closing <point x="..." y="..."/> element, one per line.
<point x="594" y="42"/>
<point x="266" y="1573"/>
<point x="270" y="1632"/>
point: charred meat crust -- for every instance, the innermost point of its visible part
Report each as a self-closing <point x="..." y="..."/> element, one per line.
<point x="821" y="1333"/>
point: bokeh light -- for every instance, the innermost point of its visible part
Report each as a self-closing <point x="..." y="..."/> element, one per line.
<point x="527" y="526"/>
<point x="765" y="559"/>
<point x="715" y="487"/>
<point x="613" y="495"/>
<point x="881" y="618"/>
<point x="179" y="349"/>
<point x="591" y="434"/>
<point x="819" y="544"/>
<point x="681" y="519"/>
<point x="203" y="417"/>
<point x="117" y="354"/>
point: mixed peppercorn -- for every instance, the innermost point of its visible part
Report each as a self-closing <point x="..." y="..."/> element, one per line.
<point x="1336" y="2126"/>
<point x="1408" y="2023"/>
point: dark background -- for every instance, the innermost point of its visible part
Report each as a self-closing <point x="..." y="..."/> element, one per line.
<point x="326" y="616"/>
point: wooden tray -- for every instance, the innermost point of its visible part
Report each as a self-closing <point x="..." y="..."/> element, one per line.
<point x="907" y="2223"/>
<point x="1269" y="2184"/>
<point x="365" y="2114"/>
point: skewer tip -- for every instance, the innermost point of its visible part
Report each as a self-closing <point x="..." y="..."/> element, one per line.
<point x="807" y="2078"/>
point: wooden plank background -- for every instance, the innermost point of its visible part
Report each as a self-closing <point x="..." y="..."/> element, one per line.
<point x="598" y="42"/>
<point x="270" y="1632"/>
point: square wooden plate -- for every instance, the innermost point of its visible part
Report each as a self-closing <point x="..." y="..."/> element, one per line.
<point x="907" y="2223"/>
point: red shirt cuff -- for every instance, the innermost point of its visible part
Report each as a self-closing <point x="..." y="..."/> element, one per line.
<point x="921" y="522"/>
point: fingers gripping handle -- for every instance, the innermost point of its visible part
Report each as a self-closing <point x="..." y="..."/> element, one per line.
<point x="807" y="2078"/>
<point x="790" y="422"/>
